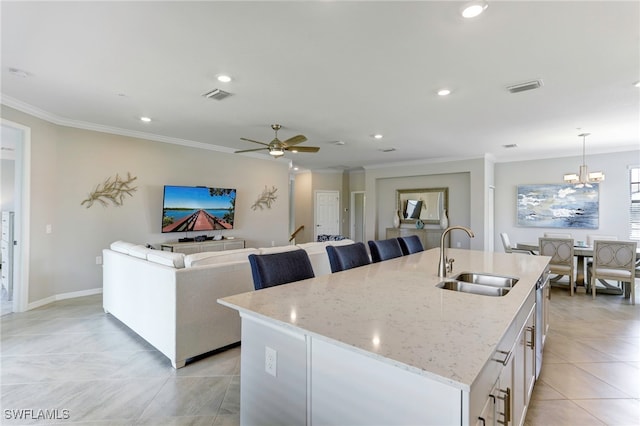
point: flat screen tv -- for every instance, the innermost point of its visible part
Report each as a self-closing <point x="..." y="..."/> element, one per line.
<point x="197" y="208"/>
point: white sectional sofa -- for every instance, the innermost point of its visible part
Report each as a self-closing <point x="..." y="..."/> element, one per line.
<point x="170" y="299"/>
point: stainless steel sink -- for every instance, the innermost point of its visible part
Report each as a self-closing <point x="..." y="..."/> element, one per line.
<point x="475" y="283"/>
<point x="486" y="279"/>
<point x="472" y="288"/>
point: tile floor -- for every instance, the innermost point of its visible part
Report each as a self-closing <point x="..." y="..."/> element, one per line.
<point x="71" y="356"/>
<point x="591" y="367"/>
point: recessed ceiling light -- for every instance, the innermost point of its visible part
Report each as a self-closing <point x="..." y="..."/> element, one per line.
<point x="145" y="119"/>
<point x="377" y="136"/>
<point x="444" y="92"/>
<point x="474" y="8"/>
<point x="224" y="78"/>
<point x="637" y="83"/>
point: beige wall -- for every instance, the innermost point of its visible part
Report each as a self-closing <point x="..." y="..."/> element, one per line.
<point x="67" y="163"/>
<point x="471" y="213"/>
<point x="303" y="202"/>
<point x="458" y="210"/>
<point x="305" y="186"/>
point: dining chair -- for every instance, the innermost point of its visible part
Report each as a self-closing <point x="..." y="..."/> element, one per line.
<point x="591" y="238"/>
<point x="614" y="260"/>
<point x="561" y="252"/>
<point x="556" y="235"/>
<point x="348" y="256"/>
<point x="384" y="249"/>
<point x="508" y="248"/>
<point x="410" y="244"/>
<point x="274" y="269"/>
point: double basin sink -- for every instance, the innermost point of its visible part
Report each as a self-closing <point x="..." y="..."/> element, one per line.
<point x="476" y="283"/>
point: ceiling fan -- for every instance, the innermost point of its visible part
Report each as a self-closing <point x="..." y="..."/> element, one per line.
<point x="277" y="147"/>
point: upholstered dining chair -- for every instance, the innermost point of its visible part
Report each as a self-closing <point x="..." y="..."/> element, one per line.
<point x="273" y="269"/>
<point x="614" y="260"/>
<point x="384" y="249"/>
<point x="556" y="235"/>
<point x="591" y="238"/>
<point x="561" y="252"/>
<point x="508" y="248"/>
<point x="410" y="244"/>
<point x="348" y="256"/>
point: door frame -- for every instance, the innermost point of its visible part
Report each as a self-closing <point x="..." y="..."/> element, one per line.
<point x="352" y="214"/>
<point x="21" y="218"/>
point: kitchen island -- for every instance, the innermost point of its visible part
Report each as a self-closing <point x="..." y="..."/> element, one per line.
<point x="381" y="344"/>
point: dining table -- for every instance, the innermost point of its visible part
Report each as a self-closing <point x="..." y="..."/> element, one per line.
<point x="581" y="253"/>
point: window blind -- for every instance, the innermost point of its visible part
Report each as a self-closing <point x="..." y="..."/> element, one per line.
<point x="634" y="214"/>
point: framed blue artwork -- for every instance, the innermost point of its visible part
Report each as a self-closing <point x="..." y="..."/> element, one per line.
<point x="558" y="206"/>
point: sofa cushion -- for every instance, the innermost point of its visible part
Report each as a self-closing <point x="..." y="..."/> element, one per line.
<point x="343" y="242"/>
<point x="166" y="258"/>
<point x="313" y="247"/>
<point x="215" y="257"/>
<point x="121" y="246"/>
<point x="139" y="251"/>
<point x="278" y="249"/>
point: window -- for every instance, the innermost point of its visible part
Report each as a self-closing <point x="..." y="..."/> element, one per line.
<point x="634" y="216"/>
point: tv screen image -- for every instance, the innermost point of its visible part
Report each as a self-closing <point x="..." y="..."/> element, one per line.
<point x="197" y="208"/>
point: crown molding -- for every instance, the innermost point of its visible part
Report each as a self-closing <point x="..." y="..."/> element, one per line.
<point x="61" y="121"/>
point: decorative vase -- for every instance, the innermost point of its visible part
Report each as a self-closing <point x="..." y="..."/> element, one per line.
<point x="419" y="224"/>
<point x="444" y="220"/>
<point x="396" y="219"/>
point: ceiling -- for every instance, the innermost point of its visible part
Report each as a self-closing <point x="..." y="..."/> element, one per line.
<point x="335" y="71"/>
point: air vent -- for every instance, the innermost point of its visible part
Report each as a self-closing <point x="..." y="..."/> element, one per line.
<point x="217" y="94"/>
<point x="522" y="87"/>
<point x="511" y="145"/>
<point x="387" y="149"/>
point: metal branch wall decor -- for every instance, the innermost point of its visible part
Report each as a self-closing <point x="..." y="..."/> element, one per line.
<point x="111" y="190"/>
<point x="267" y="198"/>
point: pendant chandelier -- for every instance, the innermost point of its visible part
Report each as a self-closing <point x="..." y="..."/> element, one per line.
<point x="584" y="178"/>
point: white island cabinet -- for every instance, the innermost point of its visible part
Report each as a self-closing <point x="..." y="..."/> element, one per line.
<point x="382" y="345"/>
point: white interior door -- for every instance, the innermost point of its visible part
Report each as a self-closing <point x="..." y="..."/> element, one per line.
<point x="327" y="213"/>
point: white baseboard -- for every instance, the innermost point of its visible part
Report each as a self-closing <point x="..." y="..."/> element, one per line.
<point x="63" y="296"/>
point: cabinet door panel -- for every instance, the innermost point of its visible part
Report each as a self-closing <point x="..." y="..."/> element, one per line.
<point x="348" y="388"/>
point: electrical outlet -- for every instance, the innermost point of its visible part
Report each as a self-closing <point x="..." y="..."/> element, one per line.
<point x="270" y="361"/>
<point x="458" y="244"/>
<point x="98" y="260"/>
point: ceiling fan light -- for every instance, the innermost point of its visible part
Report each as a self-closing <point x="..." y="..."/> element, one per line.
<point x="474" y="8"/>
<point x="276" y="152"/>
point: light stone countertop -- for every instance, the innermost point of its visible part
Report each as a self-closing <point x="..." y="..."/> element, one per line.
<point x="393" y="311"/>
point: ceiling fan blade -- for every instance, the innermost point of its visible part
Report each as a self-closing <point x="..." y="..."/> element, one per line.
<point x="303" y="148"/>
<point x="250" y="150"/>
<point x="295" y="140"/>
<point x="251" y="140"/>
